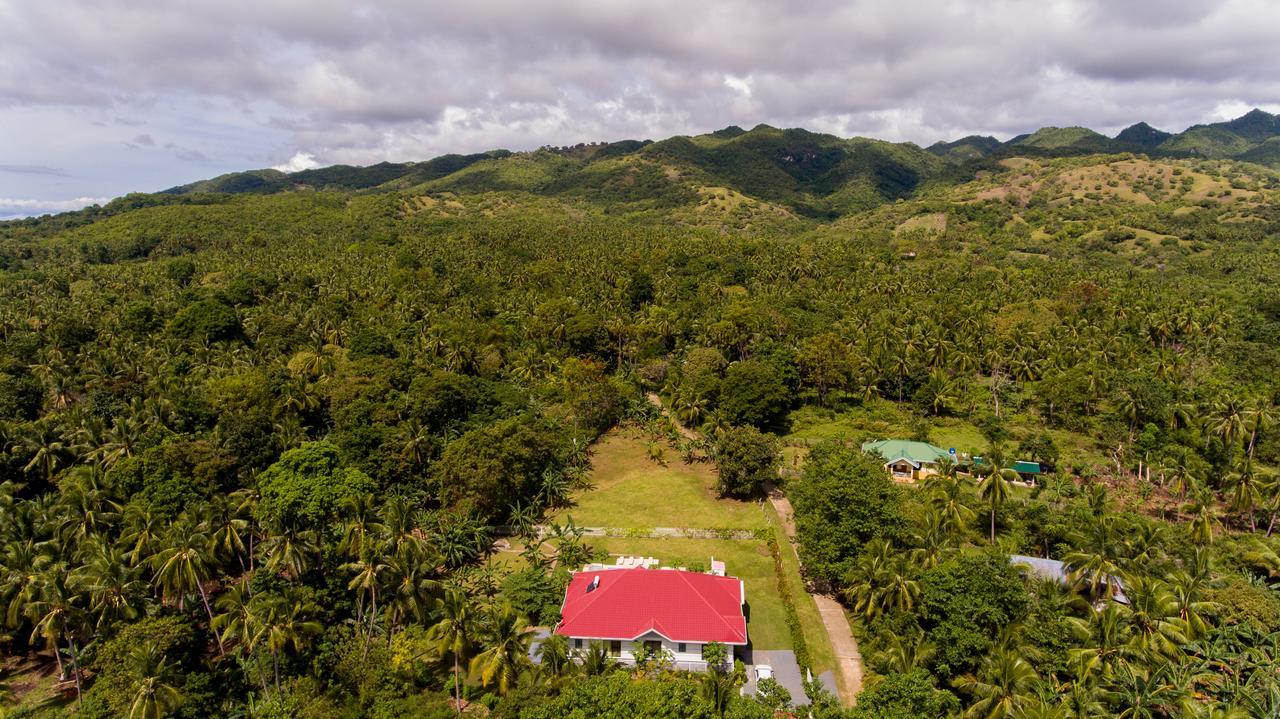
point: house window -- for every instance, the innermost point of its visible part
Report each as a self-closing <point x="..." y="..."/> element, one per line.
<point x="577" y="643"/>
<point x="652" y="647"/>
<point x="680" y="647"/>
<point x="615" y="647"/>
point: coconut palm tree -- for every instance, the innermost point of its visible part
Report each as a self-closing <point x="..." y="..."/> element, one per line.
<point x="1246" y="491"/>
<point x="947" y="494"/>
<point x="366" y="581"/>
<point x="1185" y="590"/>
<point x="506" y="636"/>
<point x="155" y="696"/>
<point x="1106" y="636"/>
<point x="995" y="490"/>
<point x="115" y="589"/>
<point x="1136" y="693"/>
<point x="1153" y="617"/>
<point x="903" y="656"/>
<point x="184" y="566"/>
<point x="225" y="520"/>
<point x="553" y="655"/>
<point x="1002" y="686"/>
<point x="285" y="623"/>
<point x="55" y="612"/>
<point x="454" y="636"/>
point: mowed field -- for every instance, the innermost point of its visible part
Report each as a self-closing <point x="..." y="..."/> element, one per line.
<point x="632" y="491"/>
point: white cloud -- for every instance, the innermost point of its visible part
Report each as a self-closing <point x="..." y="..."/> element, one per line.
<point x="299" y="162"/>
<point x="738" y="84"/>
<point x="11" y="207"/>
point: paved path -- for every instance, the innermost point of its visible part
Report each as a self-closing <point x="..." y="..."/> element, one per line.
<point x="845" y="647"/>
<point x="687" y="433"/>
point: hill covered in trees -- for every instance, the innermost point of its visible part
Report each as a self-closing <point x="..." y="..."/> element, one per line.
<point x="257" y="431"/>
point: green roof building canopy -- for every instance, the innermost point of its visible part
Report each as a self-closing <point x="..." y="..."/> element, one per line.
<point x="914" y="452"/>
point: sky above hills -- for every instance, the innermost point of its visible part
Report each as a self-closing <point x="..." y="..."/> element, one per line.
<point x="102" y="97"/>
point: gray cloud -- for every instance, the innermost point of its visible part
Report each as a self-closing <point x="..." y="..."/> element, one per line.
<point x="402" y="79"/>
<point x="33" y="170"/>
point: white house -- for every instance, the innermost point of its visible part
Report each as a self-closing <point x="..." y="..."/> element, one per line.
<point x="631" y="608"/>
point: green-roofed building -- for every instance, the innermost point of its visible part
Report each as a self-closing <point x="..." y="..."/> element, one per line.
<point x="908" y="461"/>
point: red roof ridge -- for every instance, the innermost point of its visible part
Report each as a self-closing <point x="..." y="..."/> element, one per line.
<point x="598" y="591"/>
<point x="712" y="607"/>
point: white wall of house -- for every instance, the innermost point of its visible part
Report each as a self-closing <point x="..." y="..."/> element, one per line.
<point x="687" y="655"/>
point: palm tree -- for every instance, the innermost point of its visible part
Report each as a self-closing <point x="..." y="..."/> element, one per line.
<point x="225" y="520"/>
<point x="553" y="654"/>
<point x="290" y="550"/>
<point x="55" y="613"/>
<point x="23" y="567"/>
<point x="1227" y="420"/>
<point x="717" y="689"/>
<point x="1106" y="636"/>
<point x="1179" y="472"/>
<point x="142" y="534"/>
<point x="115" y="589"/>
<point x="947" y="495"/>
<point x="1259" y="416"/>
<point x="1185" y="591"/>
<point x="155" y="696"/>
<point x="49" y="450"/>
<point x="903" y="657"/>
<point x="368" y="572"/>
<point x="1001" y="687"/>
<point x="411" y="586"/>
<point x="240" y="622"/>
<point x="1153" y="615"/>
<point x="995" y="490"/>
<point x="284" y="623"/>
<point x="1141" y="694"/>
<point x="507" y="637"/>
<point x="454" y="635"/>
<point x="360" y="521"/>
<point x="1204" y="520"/>
<point x="185" y="565"/>
<point x="1246" y="491"/>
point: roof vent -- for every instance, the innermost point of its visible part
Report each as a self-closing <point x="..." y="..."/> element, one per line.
<point x="595" y="582"/>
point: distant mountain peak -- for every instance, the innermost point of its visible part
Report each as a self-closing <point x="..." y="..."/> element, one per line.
<point x="1142" y="135"/>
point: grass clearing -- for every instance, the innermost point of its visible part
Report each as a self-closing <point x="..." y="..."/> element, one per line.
<point x="33" y="684"/>
<point x="631" y="490"/>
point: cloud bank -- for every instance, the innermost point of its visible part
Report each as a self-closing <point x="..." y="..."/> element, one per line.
<point x="183" y="89"/>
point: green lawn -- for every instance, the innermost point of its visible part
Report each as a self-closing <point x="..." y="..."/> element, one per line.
<point x="631" y="490"/>
<point x="815" y="633"/>
<point x="747" y="560"/>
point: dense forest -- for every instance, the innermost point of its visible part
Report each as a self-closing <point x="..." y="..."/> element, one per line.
<point x="258" y="436"/>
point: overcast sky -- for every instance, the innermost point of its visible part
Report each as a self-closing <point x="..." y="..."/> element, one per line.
<point x="103" y="97"/>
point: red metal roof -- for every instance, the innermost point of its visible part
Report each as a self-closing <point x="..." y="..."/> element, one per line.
<point x="678" y="605"/>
